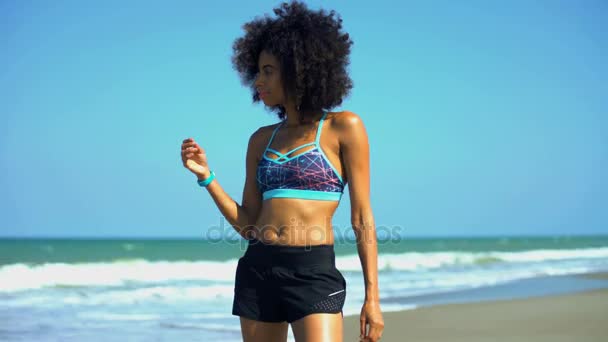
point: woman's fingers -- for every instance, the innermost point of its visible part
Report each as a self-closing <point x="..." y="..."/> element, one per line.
<point x="190" y="149"/>
<point x="375" y="331"/>
<point x="190" y="153"/>
<point x="189" y="145"/>
<point x="362" y="327"/>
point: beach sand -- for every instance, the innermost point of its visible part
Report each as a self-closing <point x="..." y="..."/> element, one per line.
<point x="573" y="317"/>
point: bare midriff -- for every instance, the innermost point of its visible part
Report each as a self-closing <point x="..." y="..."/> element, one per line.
<point x="296" y="222"/>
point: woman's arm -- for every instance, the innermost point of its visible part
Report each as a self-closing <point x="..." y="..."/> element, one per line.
<point x="354" y="147"/>
<point x="355" y="150"/>
<point x="241" y="217"/>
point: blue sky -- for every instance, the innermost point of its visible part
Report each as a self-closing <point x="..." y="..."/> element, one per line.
<point x="484" y="117"/>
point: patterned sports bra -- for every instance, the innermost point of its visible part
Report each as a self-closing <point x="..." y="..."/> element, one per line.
<point x="308" y="175"/>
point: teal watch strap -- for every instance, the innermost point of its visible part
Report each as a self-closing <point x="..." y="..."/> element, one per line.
<point x="207" y="180"/>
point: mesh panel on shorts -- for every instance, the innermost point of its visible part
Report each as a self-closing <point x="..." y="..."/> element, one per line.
<point x="332" y="303"/>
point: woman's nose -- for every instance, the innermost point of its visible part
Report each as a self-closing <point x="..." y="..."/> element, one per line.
<point x="258" y="81"/>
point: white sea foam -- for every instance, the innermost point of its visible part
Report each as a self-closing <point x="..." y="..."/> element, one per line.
<point x="416" y="261"/>
<point x="18" y="277"/>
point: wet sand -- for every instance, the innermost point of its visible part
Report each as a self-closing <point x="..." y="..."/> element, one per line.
<point x="573" y="317"/>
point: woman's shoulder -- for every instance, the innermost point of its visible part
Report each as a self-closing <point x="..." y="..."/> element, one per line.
<point x="262" y="134"/>
<point x="344" y="120"/>
<point x="266" y="131"/>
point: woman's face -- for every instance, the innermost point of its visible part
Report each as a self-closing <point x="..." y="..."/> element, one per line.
<point x="268" y="82"/>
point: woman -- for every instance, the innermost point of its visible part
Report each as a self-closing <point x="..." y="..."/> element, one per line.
<point x="296" y="171"/>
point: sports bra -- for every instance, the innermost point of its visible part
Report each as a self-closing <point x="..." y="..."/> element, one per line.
<point x="308" y="175"/>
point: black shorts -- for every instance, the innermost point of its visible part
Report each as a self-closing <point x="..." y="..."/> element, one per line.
<point x="276" y="283"/>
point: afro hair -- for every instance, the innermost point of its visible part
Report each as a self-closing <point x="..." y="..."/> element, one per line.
<point x="312" y="50"/>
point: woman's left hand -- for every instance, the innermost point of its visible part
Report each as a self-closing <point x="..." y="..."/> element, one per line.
<point x="371" y="315"/>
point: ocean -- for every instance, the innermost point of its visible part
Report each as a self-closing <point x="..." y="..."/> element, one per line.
<point x="182" y="289"/>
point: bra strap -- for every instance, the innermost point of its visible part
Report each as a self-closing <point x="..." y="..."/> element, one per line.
<point x="318" y="137"/>
<point x="273" y="133"/>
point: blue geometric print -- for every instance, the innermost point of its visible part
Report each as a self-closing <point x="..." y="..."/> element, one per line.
<point x="310" y="171"/>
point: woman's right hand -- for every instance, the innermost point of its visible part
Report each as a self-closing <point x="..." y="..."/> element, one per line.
<point x="195" y="159"/>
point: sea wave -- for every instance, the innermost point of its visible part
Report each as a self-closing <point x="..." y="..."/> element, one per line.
<point x="121" y="273"/>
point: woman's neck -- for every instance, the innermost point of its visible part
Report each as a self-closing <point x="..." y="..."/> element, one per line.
<point x="293" y="118"/>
